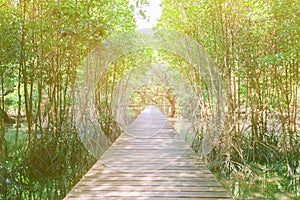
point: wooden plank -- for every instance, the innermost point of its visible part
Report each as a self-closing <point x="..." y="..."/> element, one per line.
<point x="150" y="189"/>
<point x="149" y="161"/>
<point x="148" y="198"/>
<point x="158" y="194"/>
<point x="149" y="183"/>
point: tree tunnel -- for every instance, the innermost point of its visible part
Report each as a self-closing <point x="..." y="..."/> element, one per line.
<point x="197" y="86"/>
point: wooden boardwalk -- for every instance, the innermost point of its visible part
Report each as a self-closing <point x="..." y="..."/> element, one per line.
<point x="149" y="161"/>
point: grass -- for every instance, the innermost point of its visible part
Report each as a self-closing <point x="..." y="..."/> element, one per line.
<point x="10" y="136"/>
<point x="264" y="186"/>
<point x="47" y="171"/>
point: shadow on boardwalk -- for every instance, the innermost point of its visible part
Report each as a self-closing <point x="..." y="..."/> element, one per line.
<point x="149" y="161"/>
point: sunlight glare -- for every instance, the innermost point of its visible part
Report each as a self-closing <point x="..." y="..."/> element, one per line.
<point x="152" y="11"/>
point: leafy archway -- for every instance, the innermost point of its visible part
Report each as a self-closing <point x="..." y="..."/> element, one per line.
<point x="198" y="62"/>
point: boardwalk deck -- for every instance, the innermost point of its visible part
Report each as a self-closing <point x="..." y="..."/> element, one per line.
<point x="149" y="161"/>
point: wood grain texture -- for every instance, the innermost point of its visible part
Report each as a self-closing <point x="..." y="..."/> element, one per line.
<point x="149" y="161"/>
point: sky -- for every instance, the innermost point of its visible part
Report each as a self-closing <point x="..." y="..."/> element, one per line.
<point x="153" y="11"/>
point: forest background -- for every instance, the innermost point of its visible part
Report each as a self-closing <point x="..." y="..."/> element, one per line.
<point x="255" y="45"/>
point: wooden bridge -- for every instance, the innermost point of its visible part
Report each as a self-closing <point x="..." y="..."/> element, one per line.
<point x="149" y="161"/>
